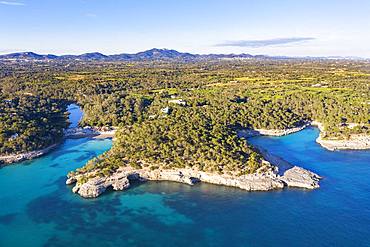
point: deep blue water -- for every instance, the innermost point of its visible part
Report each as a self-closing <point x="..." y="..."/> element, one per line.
<point x="38" y="209"/>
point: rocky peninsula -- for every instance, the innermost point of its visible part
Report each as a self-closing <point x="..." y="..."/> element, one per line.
<point x="355" y="142"/>
<point x="266" y="178"/>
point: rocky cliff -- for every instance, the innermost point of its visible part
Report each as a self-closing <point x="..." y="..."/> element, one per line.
<point x="265" y="179"/>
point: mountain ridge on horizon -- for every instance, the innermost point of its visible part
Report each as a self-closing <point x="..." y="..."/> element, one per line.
<point x="151" y="54"/>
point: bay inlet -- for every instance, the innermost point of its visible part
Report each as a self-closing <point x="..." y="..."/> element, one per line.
<point x="43" y="210"/>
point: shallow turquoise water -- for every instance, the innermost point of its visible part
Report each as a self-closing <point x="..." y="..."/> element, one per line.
<point x="38" y="209"/>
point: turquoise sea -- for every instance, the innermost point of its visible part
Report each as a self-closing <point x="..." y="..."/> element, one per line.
<point x="38" y="209"/>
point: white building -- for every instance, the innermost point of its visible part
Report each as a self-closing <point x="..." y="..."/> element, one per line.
<point x="166" y="110"/>
<point x="177" y="101"/>
<point x="14" y="136"/>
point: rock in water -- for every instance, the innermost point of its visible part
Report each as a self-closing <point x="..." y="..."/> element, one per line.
<point x="302" y="178"/>
<point x="93" y="188"/>
<point x="71" y="180"/>
<point x="119" y="181"/>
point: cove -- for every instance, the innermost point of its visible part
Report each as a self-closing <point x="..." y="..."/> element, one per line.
<point x="75" y="115"/>
<point x="38" y="209"/>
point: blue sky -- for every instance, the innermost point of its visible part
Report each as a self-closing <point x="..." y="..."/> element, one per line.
<point x="273" y="27"/>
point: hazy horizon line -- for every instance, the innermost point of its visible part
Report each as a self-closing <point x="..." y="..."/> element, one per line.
<point x="11" y="51"/>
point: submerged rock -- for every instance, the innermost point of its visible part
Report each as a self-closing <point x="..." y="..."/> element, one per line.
<point x="301" y="178"/>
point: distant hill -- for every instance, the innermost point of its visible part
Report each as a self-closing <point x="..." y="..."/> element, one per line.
<point x="28" y="55"/>
<point x="149" y="55"/>
<point x="86" y="56"/>
<point x="153" y="54"/>
<point x="163" y="54"/>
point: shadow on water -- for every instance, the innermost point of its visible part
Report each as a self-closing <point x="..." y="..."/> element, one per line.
<point x="57" y="153"/>
<point x="86" y="156"/>
<point x="55" y="241"/>
<point x="115" y="217"/>
<point x="7" y="219"/>
<point x="59" y="182"/>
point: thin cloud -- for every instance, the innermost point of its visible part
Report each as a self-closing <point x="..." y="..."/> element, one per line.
<point x="265" y="42"/>
<point x="7" y="50"/>
<point x="91" y="15"/>
<point x="12" y="3"/>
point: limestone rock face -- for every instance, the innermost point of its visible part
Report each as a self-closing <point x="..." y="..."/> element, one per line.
<point x="119" y="181"/>
<point x="181" y="176"/>
<point x="266" y="178"/>
<point x="302" y="178"/>
<point x="92" y="188"/>
<point x="71" y="180"/>
<point x="75" y="189"/>
<point x="95" y="186"/>
<point x="355" y="141"/>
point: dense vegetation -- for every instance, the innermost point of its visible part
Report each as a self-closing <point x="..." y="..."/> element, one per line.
<point x="189" y="138"/>
<point x="218" y="97"/>
<point x="28" y="123"/>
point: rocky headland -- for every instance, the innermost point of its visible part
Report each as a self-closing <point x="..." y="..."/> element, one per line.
<point x="265" y="178"/>
<point x="355" y="142"/>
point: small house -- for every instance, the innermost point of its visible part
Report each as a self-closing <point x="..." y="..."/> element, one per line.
<point x="178" y="102"/>
<point x="14" y="136"/>
<point x="166" y="110"/>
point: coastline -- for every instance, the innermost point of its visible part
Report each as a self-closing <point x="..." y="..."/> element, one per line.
<point x="266" y="178"/>
<point x="105" y="134"/>
<point x="356" y="142"/>
<point x="269" y="132"/>
<point x="96" y="133"/>
<point x="279" y="162"/>
<point x="74" y="133"/>
<point x="13" y="158"/>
